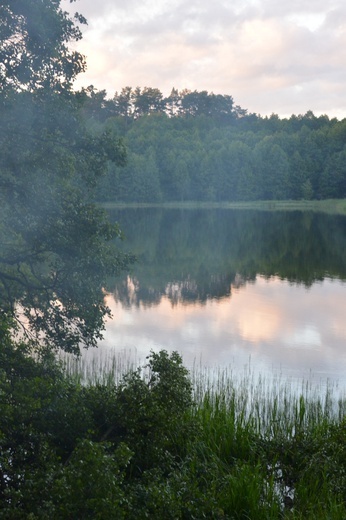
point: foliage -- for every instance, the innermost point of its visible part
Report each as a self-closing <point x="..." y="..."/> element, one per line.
<point x="33" y="46"/>
<point x="56" y="246"/>
<point x="80" y="440"/>
<point x="142" y="448"/>
<point x="145" y="449"/>
<point x="204" y="147"/>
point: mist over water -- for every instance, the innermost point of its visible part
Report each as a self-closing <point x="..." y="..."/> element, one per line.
<point x="234" y="289"/>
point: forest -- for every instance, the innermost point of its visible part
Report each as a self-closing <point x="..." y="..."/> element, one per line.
<point x="198" y="146"/>
<point x="157" y="443"/>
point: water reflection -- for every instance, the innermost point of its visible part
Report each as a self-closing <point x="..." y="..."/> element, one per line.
<point x="226" y="287"/>
<point x="278" y="326"/>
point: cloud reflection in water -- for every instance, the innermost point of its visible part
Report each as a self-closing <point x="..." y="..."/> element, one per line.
<point x="279" y="326"/>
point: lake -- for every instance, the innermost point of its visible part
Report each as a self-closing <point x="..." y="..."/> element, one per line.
<point x="233" y="288"/>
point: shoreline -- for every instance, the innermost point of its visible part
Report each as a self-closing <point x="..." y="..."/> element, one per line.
<point x="331" y="206"/>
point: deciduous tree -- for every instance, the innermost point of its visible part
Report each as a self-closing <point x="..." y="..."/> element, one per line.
<point x="56" y="250"/>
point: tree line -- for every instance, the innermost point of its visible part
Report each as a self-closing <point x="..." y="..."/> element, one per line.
<point x="201" y="146"/>
<point x="133" y="103"/>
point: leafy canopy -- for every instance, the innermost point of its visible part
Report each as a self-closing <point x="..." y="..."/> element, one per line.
<point x="56" y="246"/>
<point x="33" y="45"/>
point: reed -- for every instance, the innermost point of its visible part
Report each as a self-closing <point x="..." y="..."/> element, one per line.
<point x="288" y="437"/>
<point x="105" y="368"/>
<point x="261" y="448"/>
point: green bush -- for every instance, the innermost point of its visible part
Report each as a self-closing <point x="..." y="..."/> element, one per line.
<point x="143" y="448"/>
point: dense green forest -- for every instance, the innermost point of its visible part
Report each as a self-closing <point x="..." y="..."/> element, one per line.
<point x="201" y="146"/>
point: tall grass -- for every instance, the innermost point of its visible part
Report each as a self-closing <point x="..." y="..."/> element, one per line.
<point x="105" y="368"/>
<point x="270" y="405"/>
<point x="281" y="433"/>
<point x="266" y="448"/>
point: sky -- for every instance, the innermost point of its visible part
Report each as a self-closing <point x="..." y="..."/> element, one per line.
<point x="271" y="56"/>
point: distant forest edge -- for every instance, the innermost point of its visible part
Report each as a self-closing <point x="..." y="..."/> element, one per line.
<point x="199" y="146"/>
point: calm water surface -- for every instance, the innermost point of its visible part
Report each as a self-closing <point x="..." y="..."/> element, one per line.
<point x="232" y="288"/>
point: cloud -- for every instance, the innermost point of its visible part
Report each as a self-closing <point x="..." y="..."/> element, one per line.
<point x="282" y="57"/>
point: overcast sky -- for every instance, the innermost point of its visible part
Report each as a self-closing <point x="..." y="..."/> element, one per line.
<point x="272" y="56"/>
